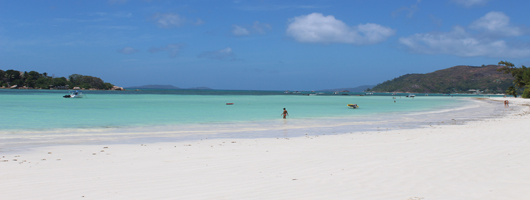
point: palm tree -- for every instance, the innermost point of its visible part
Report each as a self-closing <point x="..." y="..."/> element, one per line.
<point x="511" y="91"/>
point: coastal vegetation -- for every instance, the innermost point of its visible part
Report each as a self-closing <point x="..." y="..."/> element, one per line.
<point x="521" y="78"/>
<point x="457" y="79"/>
<point x="17" y="79"/>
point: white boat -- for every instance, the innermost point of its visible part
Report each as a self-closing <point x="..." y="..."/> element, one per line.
<point x="74" y="94"/>
<point x="411" y="95"/>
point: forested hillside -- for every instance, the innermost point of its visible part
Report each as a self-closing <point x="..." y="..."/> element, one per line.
<point x="458" y="79"/>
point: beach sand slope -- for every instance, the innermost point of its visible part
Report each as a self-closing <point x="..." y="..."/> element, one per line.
<point x="487" y="159"/>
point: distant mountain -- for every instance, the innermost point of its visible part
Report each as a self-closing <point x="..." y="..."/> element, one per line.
<point x="167" y="87"/>
<point x="355" y="89"/>
<point x="457" y="79"/>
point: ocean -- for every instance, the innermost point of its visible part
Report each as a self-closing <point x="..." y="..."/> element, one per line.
<point x="44" y="117"/>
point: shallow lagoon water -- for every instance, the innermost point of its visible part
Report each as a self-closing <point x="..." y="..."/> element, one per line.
<point x="42" y="111"/>
<point x="43" y="117"/>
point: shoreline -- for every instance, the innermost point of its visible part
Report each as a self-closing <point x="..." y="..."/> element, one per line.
<point x="483" y="159"/>
<point x="22" y="140"/>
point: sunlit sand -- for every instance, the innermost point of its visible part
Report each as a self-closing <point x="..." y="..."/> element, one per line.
<point x="484" y="159"/>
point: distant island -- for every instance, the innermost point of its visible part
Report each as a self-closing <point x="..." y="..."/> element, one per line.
<point x="13" y="79"/>
<point x="361" y="88"/>
<point x="457" y="79"/>
<point x="168" y="87"/>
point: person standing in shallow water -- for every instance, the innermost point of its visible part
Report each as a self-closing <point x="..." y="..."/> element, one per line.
<point x="285" y="113"/>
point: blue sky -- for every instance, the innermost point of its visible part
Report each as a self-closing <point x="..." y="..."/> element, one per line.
<point x="259" y="44"/>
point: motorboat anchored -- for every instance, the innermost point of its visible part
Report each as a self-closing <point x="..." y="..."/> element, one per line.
<point x="74" y="94"/>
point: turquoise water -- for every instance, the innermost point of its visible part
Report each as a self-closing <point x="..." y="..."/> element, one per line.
<point x="33" y="118"/>
<point x="44" y="110"/>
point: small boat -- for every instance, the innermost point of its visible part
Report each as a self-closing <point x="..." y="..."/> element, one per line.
<point x="411" y="95"/>
<point x="354" y="106"/>
<point x="74" y="94"/>
<point x="229" y="103"/>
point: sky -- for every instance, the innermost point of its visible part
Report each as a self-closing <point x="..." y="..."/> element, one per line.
<point x="259" y="44"/>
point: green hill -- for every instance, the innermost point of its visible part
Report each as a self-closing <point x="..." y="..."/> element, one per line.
<point x="457" y="79"/>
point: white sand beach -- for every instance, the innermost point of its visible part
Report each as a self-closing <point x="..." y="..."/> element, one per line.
<point x="485" y="159"/>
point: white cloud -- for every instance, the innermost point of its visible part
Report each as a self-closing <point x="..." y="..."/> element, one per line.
<point x="262" y="7"/>
<point x="411" y="9"/>
<point x="496" y="23"/>
<point x="239" y="31"/>
<point x="223" y="54"/>
<point x="256" y="27"/>
<point x="470" y="3"/>
<point x="317" y="28"/>
<point x="172" y="49"/>
<point x="172" y="20"/>
<point x="168" y="20"/>
<point x="261" y="27"/>
<point x="461" y="42"/>
<point x="128" y="50"/>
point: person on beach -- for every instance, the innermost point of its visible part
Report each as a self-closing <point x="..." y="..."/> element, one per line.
<point x="506" y="103"/>
<point x="285" y="113"/>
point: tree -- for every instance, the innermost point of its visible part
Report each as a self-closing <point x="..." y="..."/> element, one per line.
<point x="108" y="86"/>
<point x="511" y="91"/>
<point x="521" y="76"/>
<point x="36" y="80"/>
<point x="12" y="75"/>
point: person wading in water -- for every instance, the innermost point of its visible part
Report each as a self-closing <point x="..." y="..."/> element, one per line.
<point x="285" y="113"/>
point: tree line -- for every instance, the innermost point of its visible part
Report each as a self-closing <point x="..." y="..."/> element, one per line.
<point x="37" y="80"/>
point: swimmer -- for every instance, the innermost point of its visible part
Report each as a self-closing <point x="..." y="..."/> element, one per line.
<point x="285" y="113"/>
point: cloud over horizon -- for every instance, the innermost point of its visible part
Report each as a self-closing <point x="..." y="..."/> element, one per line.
<point x="317" y="28"/>
<point x="492" y="32"/>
